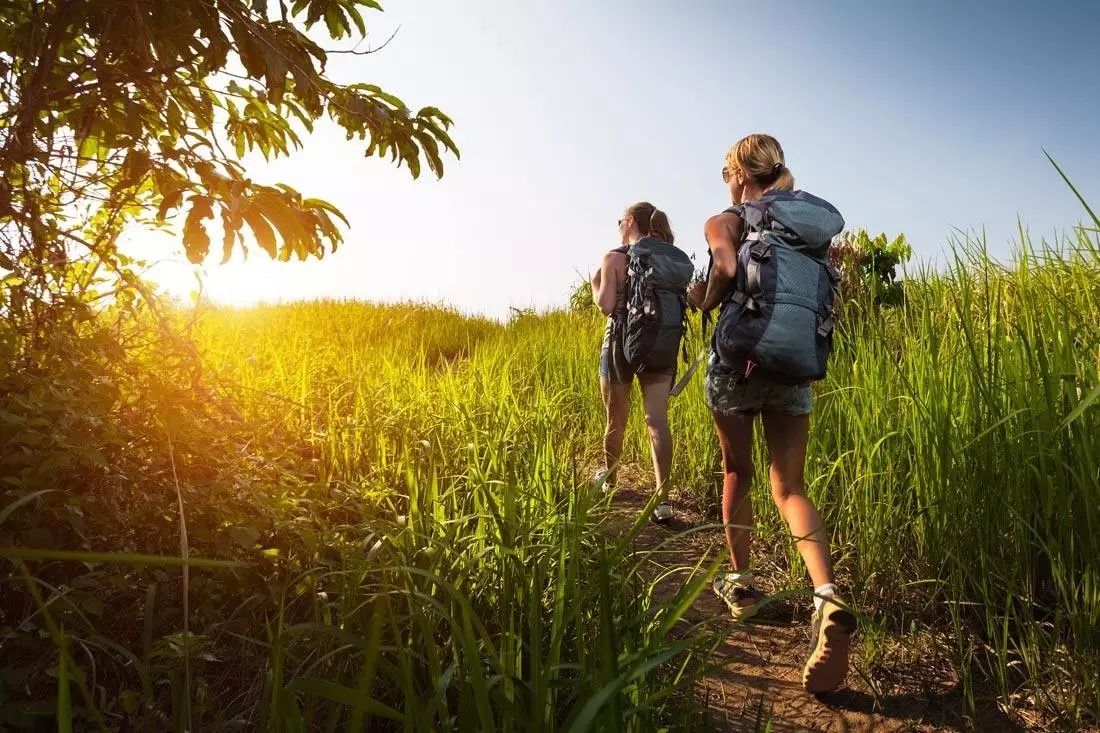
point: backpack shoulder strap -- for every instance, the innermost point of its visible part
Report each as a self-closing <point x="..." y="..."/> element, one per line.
<point x="757" y="217"/>
<point x="754" y="251"/>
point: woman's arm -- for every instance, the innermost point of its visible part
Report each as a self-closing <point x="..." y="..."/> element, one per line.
<point x="723" y="233"/>
<point x="607" y="283"/>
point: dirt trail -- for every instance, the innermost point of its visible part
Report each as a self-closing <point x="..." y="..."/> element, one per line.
<point x="758" y="667"/>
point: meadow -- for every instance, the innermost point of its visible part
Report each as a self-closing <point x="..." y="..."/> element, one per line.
<point x="351" y="516"/>
<point x="400" y="499"/>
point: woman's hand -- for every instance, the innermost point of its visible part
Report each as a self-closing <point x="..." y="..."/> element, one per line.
<point x="696" y="292"/>
<point x="723" y="233"/>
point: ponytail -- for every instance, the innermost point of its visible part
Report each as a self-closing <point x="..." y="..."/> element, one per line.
<point x="783" y="179"/>
<point x="659" y="226"/>
<point x="651" y="221"/>
<point x="761" y="158"/>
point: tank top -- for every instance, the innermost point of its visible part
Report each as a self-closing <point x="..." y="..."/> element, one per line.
<point x="619" y="314"/>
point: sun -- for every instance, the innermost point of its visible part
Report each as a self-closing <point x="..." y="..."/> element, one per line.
<point x="239" y="282"/>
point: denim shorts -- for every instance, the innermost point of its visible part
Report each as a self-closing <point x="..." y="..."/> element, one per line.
<point x="730" y="392"/>
<point x="617" y="369"/>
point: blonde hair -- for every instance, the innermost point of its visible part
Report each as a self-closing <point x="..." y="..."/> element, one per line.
<point x="651" y="221"/>
<point x="760" y="156"/>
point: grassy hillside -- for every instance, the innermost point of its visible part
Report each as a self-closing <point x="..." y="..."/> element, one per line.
<point x="404" y="491"/>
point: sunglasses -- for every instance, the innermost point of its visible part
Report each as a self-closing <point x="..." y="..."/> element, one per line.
<point x="727" y="174"/>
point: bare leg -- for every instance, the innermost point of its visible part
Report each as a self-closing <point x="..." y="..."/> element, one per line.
<point x="616" y="401"/>
<point x="655" y="398"/>
<point x="735" y="440"/>
<point x="787" y="436"/>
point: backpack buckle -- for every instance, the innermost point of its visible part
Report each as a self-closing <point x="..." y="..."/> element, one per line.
<point x="761" y="251"/>
<point x="745" y="301"/>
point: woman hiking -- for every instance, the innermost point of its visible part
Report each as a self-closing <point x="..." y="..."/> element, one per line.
<point x="769" y="276"/>
<point x="640" y="288"/>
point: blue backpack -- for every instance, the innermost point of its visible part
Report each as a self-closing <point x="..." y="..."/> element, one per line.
<point x="658" y="274"/>
<point x="779" y="317"/>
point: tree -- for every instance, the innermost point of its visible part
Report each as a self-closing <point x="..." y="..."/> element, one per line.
<point x="869" y="266"/>
<point x="115" y="113"/>
<point x="138" y="111"/>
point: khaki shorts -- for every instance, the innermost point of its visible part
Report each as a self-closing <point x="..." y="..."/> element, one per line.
<point x="731" y="393"/>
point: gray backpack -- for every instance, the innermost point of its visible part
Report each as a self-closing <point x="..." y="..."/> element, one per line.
<point x="779" y="318"/>
<point x="658" y="274"/>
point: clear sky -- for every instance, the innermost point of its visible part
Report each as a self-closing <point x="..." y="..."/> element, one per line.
<point x="914" y="117"/>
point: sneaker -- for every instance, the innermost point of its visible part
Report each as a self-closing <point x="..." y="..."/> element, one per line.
<point x="830" y="641"/>
<point x="663" y="513"/>
<point x="600" y="481"/>
<point x="744" y="600"/>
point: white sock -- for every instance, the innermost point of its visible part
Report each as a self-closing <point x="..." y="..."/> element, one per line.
<point x="821" y="592"/>
<point x="743" y="578"/>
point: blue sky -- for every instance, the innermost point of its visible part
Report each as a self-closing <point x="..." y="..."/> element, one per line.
<point x="915" y="117"/>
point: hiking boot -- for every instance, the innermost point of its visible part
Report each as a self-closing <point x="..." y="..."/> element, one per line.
<point x="663" y="513"/>
<point x="830" y="641"/>
<point x="743" y="599"/>
<point x="600" y="480"/>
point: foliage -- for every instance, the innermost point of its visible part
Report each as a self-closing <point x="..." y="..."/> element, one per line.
<point x="580" y="299"/>
<point x="135" y="112"/>
<point x="409" y="465"/>
<point x="409" y="538"/>
<point x="416" y="551"/>
<point x="869" y="266"/>
<point x="953" y="456"/>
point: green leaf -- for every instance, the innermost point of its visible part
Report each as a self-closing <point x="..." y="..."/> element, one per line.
<point x="196" y="241"/>
<point x="125" y="558"/>
<point x="1083" y="405"/>
<point x="1091" y="213"/>
<point x="245" y="536"/>
<point x="315" y="203"/>
<point x="130" y="700"/>
<point x="261" y="229"/>
<point x="343" y="695"/>
<point x="10" y="508"/>
<point x="334" y="22"/>
<point x="170" y="200"/>
<point x="231" y="225"/>
<point x="88" y="148"/>
<point x="279" y="212"/>
<point x="249" y="48"/>
<point x="357" y="17"/>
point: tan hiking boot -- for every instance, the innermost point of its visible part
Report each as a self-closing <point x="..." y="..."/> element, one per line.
<point x="830" y="642"/>
<point x="744" y="600"/>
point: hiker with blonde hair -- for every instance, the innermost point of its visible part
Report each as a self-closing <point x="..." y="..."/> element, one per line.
<point x="640" y="288"/>
<point x="770" y="277"/>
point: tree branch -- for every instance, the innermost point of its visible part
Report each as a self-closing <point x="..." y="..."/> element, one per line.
<point x="369" y="51"/>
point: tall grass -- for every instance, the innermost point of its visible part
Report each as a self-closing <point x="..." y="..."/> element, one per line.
<point x="432" y="562"/>
<point x="435" y="559"/>
<point x="953" y="450"/>
<point x="487" y="596"/>
<point x="954" y="453"/>
<point x="956" y="448"/>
